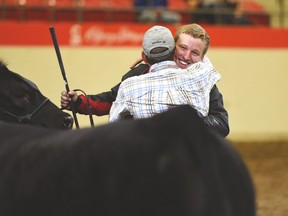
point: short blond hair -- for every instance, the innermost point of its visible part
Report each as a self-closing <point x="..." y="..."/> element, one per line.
<point x="195" y="31"/>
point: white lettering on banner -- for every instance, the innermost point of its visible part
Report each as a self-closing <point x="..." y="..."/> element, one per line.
<point x="75" y="35"/>
<point x="123" y="36"/>
<point x="101" y="36"/>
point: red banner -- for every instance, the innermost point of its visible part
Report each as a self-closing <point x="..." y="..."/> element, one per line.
<point x="103" y="34"/>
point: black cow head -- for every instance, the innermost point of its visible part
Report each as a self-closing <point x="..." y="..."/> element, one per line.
<point x="22" y="102"/>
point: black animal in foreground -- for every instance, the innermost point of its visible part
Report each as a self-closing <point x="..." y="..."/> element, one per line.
<point x="167" y="165"/>
<point x="22" y="102"/>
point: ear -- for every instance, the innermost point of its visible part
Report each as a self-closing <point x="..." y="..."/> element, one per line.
<point x="144" y="58"/>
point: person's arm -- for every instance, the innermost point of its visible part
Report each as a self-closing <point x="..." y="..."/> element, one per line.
<point x="100" y="104"/>
<point x="118" y="109"/>
<point x="135" y="71"/>
<point x="218" y="116"/>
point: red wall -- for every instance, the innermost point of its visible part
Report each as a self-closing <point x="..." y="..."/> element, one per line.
<point x="122" y="34"/>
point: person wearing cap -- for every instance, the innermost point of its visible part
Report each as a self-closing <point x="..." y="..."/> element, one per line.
<point x="192" y="43"/>
<point x="165" y="85"/>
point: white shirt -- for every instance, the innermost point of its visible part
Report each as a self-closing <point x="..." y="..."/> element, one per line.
<point x="164" y="87"/>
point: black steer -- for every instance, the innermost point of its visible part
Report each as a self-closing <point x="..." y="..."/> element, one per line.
<point x="167" y="165"/>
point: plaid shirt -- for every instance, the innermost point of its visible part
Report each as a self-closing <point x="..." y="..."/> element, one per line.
<point x="164" y="87"/>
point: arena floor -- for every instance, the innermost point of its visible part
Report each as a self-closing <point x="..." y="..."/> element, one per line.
<point x="268" y="165"/>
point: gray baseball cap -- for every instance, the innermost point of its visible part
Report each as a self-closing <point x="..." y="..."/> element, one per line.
<point x="158" y="36"/>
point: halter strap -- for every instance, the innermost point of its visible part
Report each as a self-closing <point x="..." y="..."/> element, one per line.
<point x="21" y="118"/>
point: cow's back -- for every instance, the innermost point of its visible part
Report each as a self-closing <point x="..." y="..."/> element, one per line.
<point x="166" y="165"/>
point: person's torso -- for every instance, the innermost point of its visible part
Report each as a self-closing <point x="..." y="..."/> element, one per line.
<point x="166" y="86"/>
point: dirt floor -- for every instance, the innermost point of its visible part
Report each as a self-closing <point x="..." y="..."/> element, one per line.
<point x="268" y="165"/>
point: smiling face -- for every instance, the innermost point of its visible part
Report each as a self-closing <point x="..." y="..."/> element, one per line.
<point x="189" y="50"/>
<point x="192" y="42"/>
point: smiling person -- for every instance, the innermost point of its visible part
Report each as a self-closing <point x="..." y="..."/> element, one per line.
<point x="165" y="85"/>
<point x="191" y="45"/>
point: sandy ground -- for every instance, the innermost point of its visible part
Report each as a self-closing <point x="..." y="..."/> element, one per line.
<point x="268" y="165"/>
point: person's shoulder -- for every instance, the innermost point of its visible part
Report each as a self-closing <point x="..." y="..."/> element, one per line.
<point x="131" y="81"/>
<point x="136" y="71"/>
<point x="195" y="66"/>
<point x="204" y="63"/>
<point x="207" y="61"/>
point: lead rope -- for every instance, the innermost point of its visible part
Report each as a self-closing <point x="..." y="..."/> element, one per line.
<point x="89" y="107"/>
